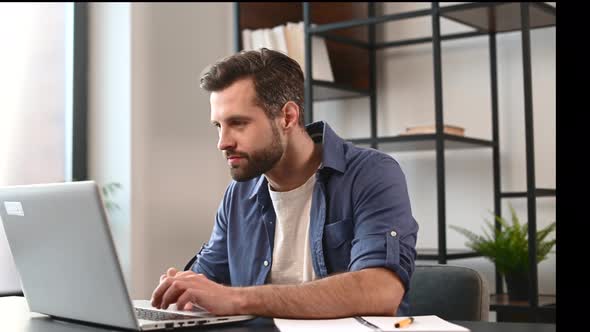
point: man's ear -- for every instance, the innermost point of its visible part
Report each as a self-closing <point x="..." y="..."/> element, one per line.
<point x="290" y="115"/>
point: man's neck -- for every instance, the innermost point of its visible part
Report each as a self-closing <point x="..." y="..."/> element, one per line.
<point x="301" y="160"/>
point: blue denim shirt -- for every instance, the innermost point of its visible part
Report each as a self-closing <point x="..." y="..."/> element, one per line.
<point x="360" y="218"/>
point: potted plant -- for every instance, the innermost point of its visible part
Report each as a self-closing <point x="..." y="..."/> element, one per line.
<point x="508" y="249"/>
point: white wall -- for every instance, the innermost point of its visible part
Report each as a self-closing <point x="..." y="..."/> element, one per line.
<point x="109" y="113"/>
<point x="406" y="97"/>
<point x="146" y="104"/>
<point x="34" y="40"/>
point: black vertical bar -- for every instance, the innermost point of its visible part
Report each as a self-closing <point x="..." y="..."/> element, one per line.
<point x="237" y="28"/>
<point x="496" y="140"/>
<point x="80" y="93"/>
<point x="440" y="153"/>
<point x="372" y="77"/>
<point x="308" y="111"/>
<point x="530" y="156"/>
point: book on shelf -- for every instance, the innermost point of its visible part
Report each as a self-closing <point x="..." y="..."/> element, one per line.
<point x="431" y="129"/>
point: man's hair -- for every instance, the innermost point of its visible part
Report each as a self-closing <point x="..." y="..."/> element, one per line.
<point x="277" y="78"/>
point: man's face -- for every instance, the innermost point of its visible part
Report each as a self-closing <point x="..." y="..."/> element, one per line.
<point x="249" y="140"/>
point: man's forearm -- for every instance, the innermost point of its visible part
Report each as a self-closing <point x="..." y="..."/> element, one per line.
<point x="368" y="292"/>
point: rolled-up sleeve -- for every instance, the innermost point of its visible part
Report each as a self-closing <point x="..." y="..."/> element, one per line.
<point x="385" y="231"/>
<point x="212" y="260"/>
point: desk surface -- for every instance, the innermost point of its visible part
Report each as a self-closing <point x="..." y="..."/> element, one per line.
<point x="15" y="315"/>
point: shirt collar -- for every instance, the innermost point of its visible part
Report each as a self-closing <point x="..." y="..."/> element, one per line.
<point x="332" y="154"/>
<point x="261" y="184"/>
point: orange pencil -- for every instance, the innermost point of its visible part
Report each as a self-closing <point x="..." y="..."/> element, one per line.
<point x="404" y="322"/>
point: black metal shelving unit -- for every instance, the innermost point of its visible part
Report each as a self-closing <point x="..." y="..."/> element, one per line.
<point x="486" y="19"/>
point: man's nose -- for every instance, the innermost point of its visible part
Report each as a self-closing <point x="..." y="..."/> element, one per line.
<point x="225" y="141"/>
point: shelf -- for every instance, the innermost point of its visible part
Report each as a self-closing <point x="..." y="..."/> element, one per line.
<point x="500" y="302"/>
<point x="353" y="47"/>
<point x="483" y="17"/>
<point x="539" y="192"/>
<point x="324" y="90"/>
<point x="320" y="29"/>
<point x="489" y="17"/>
<point x="396" y="43"/>
<point x="432" y="254"/>
<point x="413" y="41"/>
<point x="499" y="17"/>
<point x="424" y="142"/>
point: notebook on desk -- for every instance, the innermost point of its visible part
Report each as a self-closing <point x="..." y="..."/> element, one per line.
<point x="430" y="323"/>
<point x="61" y="243"/>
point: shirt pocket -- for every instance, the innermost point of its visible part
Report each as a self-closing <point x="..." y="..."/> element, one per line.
<point x="338" y="238"/>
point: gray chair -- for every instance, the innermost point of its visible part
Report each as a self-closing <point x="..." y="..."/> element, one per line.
<point x="450" y="292"/>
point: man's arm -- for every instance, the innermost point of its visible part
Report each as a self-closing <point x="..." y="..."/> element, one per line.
<point x="212" y="258"/>
<point x="373" y="291"/>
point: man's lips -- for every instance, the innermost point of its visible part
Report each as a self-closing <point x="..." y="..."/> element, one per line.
<point x="232" y="160"/>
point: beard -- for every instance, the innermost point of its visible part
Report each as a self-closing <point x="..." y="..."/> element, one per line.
<point x="258" y="162"/>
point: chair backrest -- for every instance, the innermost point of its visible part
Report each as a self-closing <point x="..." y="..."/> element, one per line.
<point x="450" y="292"/>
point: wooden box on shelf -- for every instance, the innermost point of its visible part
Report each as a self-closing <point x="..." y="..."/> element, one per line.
<point x="431" y="129"/>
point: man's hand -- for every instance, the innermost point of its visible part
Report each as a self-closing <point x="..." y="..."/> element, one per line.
<point x="185" y="288"/>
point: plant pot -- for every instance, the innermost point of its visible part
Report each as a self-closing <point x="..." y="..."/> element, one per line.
<point x="518" y="286"/>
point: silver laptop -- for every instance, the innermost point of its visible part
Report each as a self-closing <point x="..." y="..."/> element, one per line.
<point x="62" y="246"/>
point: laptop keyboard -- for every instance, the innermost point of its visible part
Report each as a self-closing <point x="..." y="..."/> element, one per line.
<point x="159" y="315"/>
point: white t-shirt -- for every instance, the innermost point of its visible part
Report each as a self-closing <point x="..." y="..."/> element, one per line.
<point x="291" y="257"/>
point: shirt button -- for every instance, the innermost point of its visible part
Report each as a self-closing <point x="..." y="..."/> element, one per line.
<point x="393" y="233"/>
<point x="265" y="263"/>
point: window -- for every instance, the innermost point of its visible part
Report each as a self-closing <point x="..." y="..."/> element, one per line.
<point x="36" y="103"/>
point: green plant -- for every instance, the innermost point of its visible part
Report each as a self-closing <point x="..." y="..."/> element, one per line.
<point x="107" y="191"/>
<point x="508" y="247"/>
